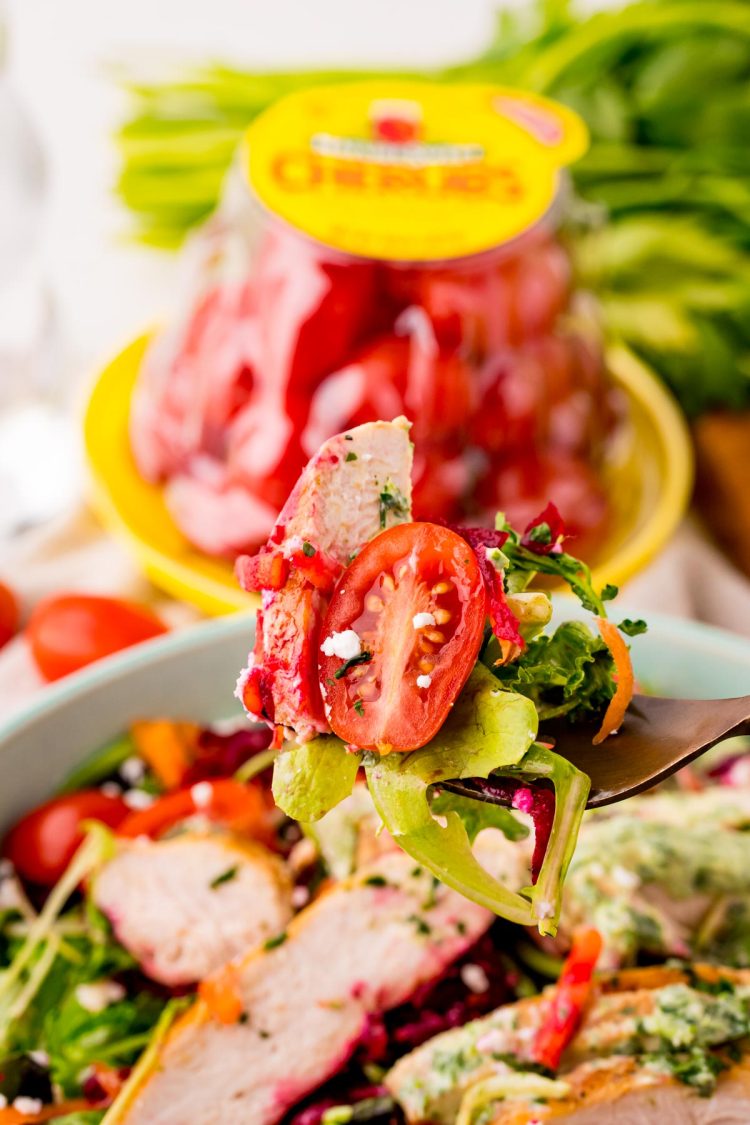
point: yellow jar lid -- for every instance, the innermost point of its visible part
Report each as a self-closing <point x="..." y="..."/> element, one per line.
<point x="411" y="171"/>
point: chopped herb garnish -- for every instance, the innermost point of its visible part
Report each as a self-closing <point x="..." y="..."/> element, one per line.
<point x="422" y="927"/>
<point x="391" y="500"/>
<point x="376" y="881"/>
<point x="348" y="437"/>
<point x="244" y="1017"/>
<point x="460" y="927"/>
<point x="541" y="533"/>
<point x="362" y="658"/>
<point x="225" y="877"/>
<point x="275" y="942"/>
<point x="524" y="1065"/>
<point x="359" y="706"/>
<point x="308" y="549"/>
<point x="632" y="628"/>
<point x="263" y="1033"/>
<point x="431" y="900"/>
<point x="351" y="456"/>
<point x="609" y="592"/>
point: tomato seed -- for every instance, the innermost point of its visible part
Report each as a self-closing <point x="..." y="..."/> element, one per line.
<point x="373" y="603"/>
<point x="435" y="636"/>
<point x="387" y="582"/>
<point x="442" y="616"/>
<point x="441" y="588"/>
<point x="426" y="665"/>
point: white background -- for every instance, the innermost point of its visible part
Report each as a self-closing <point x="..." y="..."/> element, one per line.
<point x="61" y="57"/>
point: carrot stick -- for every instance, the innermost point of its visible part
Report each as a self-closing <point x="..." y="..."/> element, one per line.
<point x="620" y="701"/>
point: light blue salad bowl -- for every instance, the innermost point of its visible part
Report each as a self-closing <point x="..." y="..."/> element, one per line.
<point x="191" y="675"/>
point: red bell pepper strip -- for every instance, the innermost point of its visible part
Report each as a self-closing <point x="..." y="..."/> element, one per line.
<point x="569" y="999"/>
<point x="268" y="570"/>
<point x="228" y="802"/>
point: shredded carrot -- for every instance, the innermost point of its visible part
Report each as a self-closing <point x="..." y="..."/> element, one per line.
<point x="620" y="701"/>
<point x="166" y="747"/>
<point x="221" y="994"/>
<point x="11" y="1116"/>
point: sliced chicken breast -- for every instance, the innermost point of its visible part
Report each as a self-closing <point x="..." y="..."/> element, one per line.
<point x="430" y="1082"/>
<point x="336" y="503"/>
<point x="337" y="507"/>
<point x="185" y="906"/>
<point x="622" y="1091"/>
<point x="363" y="947"/>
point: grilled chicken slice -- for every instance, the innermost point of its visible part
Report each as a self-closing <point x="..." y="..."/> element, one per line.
<point x="430" y="1082"/>
<point x="623" y="1091"/>
<point x="363" y="947"/>
<point x="186" y="905"/>
<point x="336" y="507"/>
<point x="647" y="876"/>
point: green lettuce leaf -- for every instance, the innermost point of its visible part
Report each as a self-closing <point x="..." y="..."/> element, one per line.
<point x="490" y="730"/>
<point x="336" y="835"/>
<point x="478" y="815"/>
<point x="569" y="672"/>
<point x="487" y="728"/>
<point x="311" y="779"/>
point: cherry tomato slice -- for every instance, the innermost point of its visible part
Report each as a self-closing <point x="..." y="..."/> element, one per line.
<point x="240" y="807"/>
<point x="9" y="614"/>
<point x="415" y="598"/>
<point x="69" y="631"/>
<point x="42" y="843"/>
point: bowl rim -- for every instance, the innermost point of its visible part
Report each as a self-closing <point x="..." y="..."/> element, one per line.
<point x="87" y="681"/>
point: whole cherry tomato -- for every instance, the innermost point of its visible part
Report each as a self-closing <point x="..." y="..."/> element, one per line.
<point x="415" y="598"/>
<point x="9" y="614"/>
<point x="42" y="843"/>
<point x="69" y="631"/>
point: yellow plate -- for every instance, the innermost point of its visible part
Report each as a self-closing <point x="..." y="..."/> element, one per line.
<point x="648" y="474"/>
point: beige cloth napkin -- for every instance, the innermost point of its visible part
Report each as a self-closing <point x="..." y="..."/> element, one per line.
<point x="690" y="578"/>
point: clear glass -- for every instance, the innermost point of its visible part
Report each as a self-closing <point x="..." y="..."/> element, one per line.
<point x="37" y="469"/>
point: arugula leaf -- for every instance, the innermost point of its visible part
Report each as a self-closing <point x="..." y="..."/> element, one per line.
<point x="310" y="779"/>
<point x="632" y="628"/>
<point x="566" y="673"/>
<point x="575" y="573"/>
<point x="100" y="765"/>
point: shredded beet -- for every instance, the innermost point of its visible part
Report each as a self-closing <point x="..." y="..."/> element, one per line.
<point x="221" y="755"/>
<point x="504" y="623"/>
<point x="544" y="535"/>
<point x="538" y="801"/>
<point x="436" y="1006"/>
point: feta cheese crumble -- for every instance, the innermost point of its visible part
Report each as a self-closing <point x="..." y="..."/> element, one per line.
<point x="345" y="645"/>
<point x="422" y="620"/>
<point x="424" y="681"/>
<point x="28" y="1106"/>
<point x="138" y="799"/>
<point x="475" y="978"/>
<point x="132" y="770"/>
<point x="202" y="794"/>
<point x="98" y="996"/>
